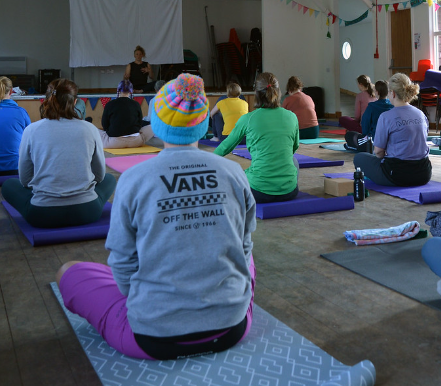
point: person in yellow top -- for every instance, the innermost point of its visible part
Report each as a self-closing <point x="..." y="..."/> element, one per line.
<point x="231" y="108"/>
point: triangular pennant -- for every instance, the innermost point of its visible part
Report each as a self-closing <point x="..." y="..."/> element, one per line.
<point x="436" y="7"/>
<point x="316" y="13"/>
<point x="42" y="100"/>
<point x="386" y="7"/>
<point x="148" y="98"/>
<point x="404" y="5"/>
<point x="139" y="99"/>
<point x="340" y="21"/>
<point x="305" y="9"/>
<point x="294" y="4"/>
<point x="396" y="6"/>
<point x="430" y="2"/>
<point x="84" y="100"/>
<point x="105" y="100"/>
<point x="93" y="102"/>
<point x="288" y="1"/>
<point x="333" y="19"/>
<point x="311" y="11"/>
<point x="299" y="7"/>
<point x="380" y="7"/>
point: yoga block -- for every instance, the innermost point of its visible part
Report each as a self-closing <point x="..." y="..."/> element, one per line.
<point x="338" y="186"/>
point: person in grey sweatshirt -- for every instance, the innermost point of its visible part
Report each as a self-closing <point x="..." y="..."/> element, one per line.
<point x="180" y="280"/>
<point x="62" y="171"/>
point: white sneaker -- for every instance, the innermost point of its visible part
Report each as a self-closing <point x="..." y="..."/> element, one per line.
<point x="214" y="139"/>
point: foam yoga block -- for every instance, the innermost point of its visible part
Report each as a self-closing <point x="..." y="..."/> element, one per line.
<point x="271" y="354"/>
<point x="425" y="194"/>
<point x="121" y="164"/>
<point x="304" y="160"/>
<point x="304" y="203"/>
<point x="4" y="178"/>
<point x="45" y="236"/>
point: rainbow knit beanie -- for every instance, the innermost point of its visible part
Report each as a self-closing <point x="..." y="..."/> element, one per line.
<point x="180" y="111"/>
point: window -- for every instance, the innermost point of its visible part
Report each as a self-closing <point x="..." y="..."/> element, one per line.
<point x="437" y="35"/>
<point x="346" y="50"/>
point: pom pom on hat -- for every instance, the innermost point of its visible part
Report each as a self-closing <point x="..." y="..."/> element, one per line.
<point x="180" y="111"/>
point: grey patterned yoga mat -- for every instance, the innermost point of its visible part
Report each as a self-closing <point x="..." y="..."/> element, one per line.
<point x="398" y="266"/>
<point x="272" y="354"/>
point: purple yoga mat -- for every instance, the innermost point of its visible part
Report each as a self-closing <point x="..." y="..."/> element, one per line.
<point x="425" y="194"/>
<point x="4" y="178"/>
<point x="207" y="142"/>
<point x="121" y="164"/>
<point x="304" y="160"/>
<point x="304" y="203"/>
<point x="45" y="236"/>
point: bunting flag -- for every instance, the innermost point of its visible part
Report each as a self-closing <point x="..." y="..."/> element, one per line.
<point x="430" y="2"/>
<point x="299" y="7"/>
<point x="84" y="100"/>
<point x="288" y="1"/>
<point x="294" y="4"/>
<point x="139" y="99"/>
<point x="340" y="21"/>
<point x="148" y="98"/>
<point x="316" y="13"/>
<point x="93" y="102"/>
<point x="379" y="8"/>
<point x="311" y="11"/>
<point x="333" y="19"/>
<point x="305" y="9"/>
<point x="436" y="7"/>
<point x="386" y="6"/>
<point x="405" y="5"/>
<point x="105" y="100"/>
<point x="414" y="3"/>
<point x="42" y="100"/>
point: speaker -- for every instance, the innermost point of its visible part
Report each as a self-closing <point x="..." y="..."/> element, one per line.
<point x="45" y="77"/>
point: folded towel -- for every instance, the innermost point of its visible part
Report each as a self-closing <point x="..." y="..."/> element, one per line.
<point x="382" y="236"/>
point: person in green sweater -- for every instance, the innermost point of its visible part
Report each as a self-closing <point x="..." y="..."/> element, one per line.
<point x="272" y="134"/>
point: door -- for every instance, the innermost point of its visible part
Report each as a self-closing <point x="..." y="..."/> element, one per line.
<point x="401" y="42"/>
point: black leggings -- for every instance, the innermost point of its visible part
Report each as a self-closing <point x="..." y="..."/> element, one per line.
<point x="57" y="216"/>
<point x="190" y="345"/>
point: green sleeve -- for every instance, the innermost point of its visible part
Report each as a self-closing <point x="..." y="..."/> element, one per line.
<point x="296" y="135"/>
<point x="235" y="137"/>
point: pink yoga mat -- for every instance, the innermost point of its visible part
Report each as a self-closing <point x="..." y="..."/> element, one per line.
<point x="121" y="164"/>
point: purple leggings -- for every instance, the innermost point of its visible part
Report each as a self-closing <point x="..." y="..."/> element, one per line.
<point x="89" y="290"/>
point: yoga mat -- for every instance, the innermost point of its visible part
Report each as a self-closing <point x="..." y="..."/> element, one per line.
<point x="304" y="160"/>
<point x="121" y="164"/>
<point x="4" y="178"/>
<point x="435" y="151"/>
<point x="271" y="354"/>
<point x="337" y="147"/>
<point x="425" y="194"/>
<point x="318" y="140"/>
<point x="329" y="123"/>
<point x="45" y="236"/>
<point x="337" y="132"/>
<point x="398" y="266"/>
<point x="304" y="203"/>
<point x="134" y="150"/>
<point x="207" y="142"/>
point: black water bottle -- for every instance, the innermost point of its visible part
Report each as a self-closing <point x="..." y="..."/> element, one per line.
<point x="370" y="145"/>
<point x="358" y="185"/>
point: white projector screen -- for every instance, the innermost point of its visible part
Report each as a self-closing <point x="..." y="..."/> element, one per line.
<point x="106" y="32"/>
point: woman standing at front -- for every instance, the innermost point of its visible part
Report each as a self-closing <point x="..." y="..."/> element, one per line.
<point x="139" y="72"/>
<point x="401" y="154"/>
<point x="272" y="134"/>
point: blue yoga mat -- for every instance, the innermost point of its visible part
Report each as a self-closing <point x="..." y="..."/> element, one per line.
<point x="425" y="194"/>
<point x="271" y="354"/>
<point x="319" y="140"/>
<point x="305" y="161"/>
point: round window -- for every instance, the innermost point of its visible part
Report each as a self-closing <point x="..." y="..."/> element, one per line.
<point x="346" y="50"/>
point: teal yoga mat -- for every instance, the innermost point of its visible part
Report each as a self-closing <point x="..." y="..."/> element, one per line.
<point x="271" y="354"/>
<point x="337" y="147"/>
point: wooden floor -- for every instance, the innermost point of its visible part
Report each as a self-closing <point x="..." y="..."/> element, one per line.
<point x="348" y="316"/>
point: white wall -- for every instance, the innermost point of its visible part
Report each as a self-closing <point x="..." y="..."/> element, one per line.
<point x="41" y="33"/>
<point x="362" y="57"/>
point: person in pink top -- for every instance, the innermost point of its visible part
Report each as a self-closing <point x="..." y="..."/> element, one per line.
<point x="303" y="107"/>
<point x="362" y="99"/>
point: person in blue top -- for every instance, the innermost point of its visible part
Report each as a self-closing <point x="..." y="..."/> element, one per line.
<point x="360" y="142"/>
<point x="13" y="121"/>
